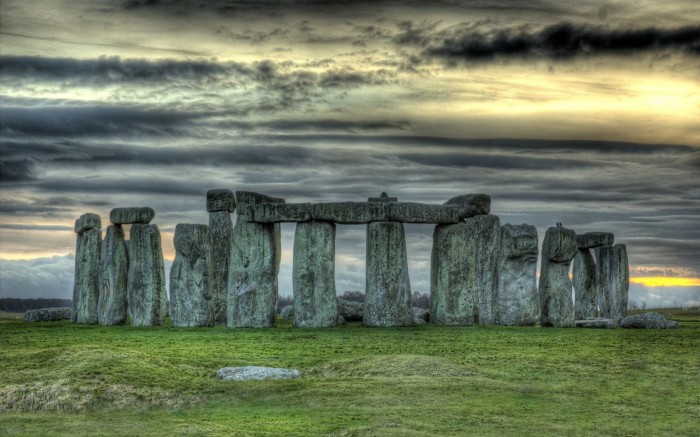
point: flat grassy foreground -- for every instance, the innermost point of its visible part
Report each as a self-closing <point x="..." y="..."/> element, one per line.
<point x="59" y="378"/>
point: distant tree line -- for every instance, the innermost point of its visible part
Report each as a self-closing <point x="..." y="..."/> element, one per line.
<point x="420" y="300"/>
<point x="17" y="305"/>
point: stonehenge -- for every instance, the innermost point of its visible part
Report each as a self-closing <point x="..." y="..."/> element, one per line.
<point x="114" y="274"/>
<point x="556" y="305"/>
<point x="516" y="302"/>
<point x="86" y="288"/>
<point x="612" y="273"/>
<point x="146" y="295"/>
<point x="221" y="204"/>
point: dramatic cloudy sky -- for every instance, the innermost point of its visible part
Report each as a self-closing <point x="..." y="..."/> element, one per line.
<point x="584" y="112"/>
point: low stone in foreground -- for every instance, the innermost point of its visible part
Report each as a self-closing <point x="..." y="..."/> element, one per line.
<point x="350" y="310"/>
<point x="47" y="315"/>
<point x="248" y="373"/>
<point x="595" y="323"/>
<point x="648" y="321"/>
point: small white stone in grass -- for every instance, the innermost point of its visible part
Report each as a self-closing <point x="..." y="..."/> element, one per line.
<point x="255" y="373"/>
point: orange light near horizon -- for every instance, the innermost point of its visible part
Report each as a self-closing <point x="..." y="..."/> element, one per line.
<point x="666" y="281"/>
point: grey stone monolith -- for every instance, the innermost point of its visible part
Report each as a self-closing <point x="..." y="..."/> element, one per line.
<point x="555" y="289"/>
<point x="516" y="302"/>
<point x="592" y="240"/>
<point x="612" y="273"/>
<point x="148" y="302"/>
<point x="388" y="289"/>
<point x="191" y="277"/>
<point x="486" y="230"/>
<point x="453" y="288"/>
<point x="470" y="205"/>
<point x="48" y="314"/>
<point x="220" y="204"/>
<point x="313" y="275"/>
<point x="220" y="199"/>
<point x="114" y="274"/>
<point x="585" y="285"/>
<point x="86" y="286"/>
<point x="650" y="320"/>
<point x="130" y="215"/>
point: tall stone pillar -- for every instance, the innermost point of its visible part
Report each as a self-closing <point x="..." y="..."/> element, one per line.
<point x="114" y="273"/>
<point x="584" y="274"/>
<point x="148" y="302"/>
<point x="191" y="277"/>
<point x="486" y="230"/>
<point x="315" y="302"/>
<point x="612" y="272"/>
<point x="220" y="204"/>
<point x="86" y="288"/>
<point x="555" y="288"/>
<point x="516" y="302"/>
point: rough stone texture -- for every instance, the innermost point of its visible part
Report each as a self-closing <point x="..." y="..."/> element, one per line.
<point x="453" y="285"/>
<point x="256" y="373"/>
<point x="556" y="303"/>
<point x="114" y="272"/>
<point x="585" y="285"/>
<point x="221" y="228"/>
<point x="279" y="212"/>
<point x="148" y="302"/>
<point x="591" y="240"/>
<point x="221" y="200"/>
<point x="612" y="272"/>
<point x="48" y="315"/>
<point x="313" y="275"/>
<point x="383" y="198"/>
<point x="86" y="287"/>
<point x="287" y="312"/>
<point x="486" y="230"/>
<point x="420" y="315"/>
<point x="350" y="212"/>
<point x="248" y="199"/>
<point x="341" y="320"/>
<point x="191" y="302"/>
<point x="350" y="310"/>
<point x="388" y="288"/>
<point x="648" y="321"/>
<point x="407" y="212"/>
<point x="470" y="205"/>
<point x="516" y="302"/>
<point x="131" y="215"/>
<point x="595" y="323"/>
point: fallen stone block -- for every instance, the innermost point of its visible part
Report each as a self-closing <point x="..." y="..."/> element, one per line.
<point x="595" y="323"/>
<point x="649" y="320"/>
<point x="257" y="373"/>
<point x="350" y="310"/>
<point x="47" y="315"/>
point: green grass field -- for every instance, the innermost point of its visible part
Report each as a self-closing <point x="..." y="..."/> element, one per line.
<point x="59" y="378"/>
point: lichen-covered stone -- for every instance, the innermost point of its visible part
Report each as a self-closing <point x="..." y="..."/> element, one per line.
<point x="221" y="200"/>
<point x="191" y="302"/>
<point x="131" y="215"/>
<point x="470" y="205"/>
<point x="408" y="212"/>
<point x="313" y="275"/>
<point x="388" y="288"/>
<point x="649" y="320"/>
<point x="221" y="228"/>
<point x="612" y="273"/>
<point x="248" y="199"/>
<point x="350" y="212"/>
<point x="279" y="212"/>
<point x="113" y="278"/>
<point x="148" y="302"/>
<point x="585" y="285"/>
<point x="486" y="230"/>
<point x="48" y="315"/>
<point x="516" y="302"/>
<point x="350" y="310"/>
<point x="86" y="287"/>
<point x="556" y="302"/>
<point x="595" y="323"/>
<point x="591" y="240"/>
<point x="87" y="221"/>
<point x="248" y="373"/>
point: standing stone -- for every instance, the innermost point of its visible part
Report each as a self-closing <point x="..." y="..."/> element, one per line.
<point x="315" y="302"/>
<point x="220" y="204"/>
<point x="191" y="302"/>
<point x="86" y="289"/>
<point x="148" y="302"/>
<point x="388" y="288"/>
<point x="556" y="303"/>
<point x="612" y="272"/>
<point x="114" y="274"/>
<point x="453" y="288"/>
<point x="516" y="302"/>
<point x="585" y="285"/>
<point x="252" y="283"/>
<point x="486" y="230"/>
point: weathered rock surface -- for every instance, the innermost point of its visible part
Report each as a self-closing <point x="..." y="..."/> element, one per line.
<point x="420" y="315"/>
<point x="350" y="310"/>
<point x="119" y="216"/>
<point x="313" y="275"/>
<point x="486" y="230"/>
<point x="221" y="228"/>
<point x="471" y="205"/>
<point x="585" y="285"/>
<point x="255" y="373"/>
<point x="453" y="288"/>
<point x="408" y="212"/>
<point x="595" y="323"/>
<point x="350" y="212"/>
<point x="648" y="321"/>
<point x="148" y="302"/>
<point x="114" y="272"/>
<point x="388" y="288"/>
<point x="612" y="272"/>
<point x="287" y="312"/>
<point x="556" y="301"/>
<point x="48" y="315"/>
<point x="191" y="302"/>
<point x="221" y="200"/>
<point x="248" y="199"/>
<point x="86" y="287"/>
<point x="279" y="212"/>
<point x="516" y="302"/>
<point x="591" y="240"/>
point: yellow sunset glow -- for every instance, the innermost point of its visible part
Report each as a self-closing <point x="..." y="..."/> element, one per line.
<point x="664" y="281"/>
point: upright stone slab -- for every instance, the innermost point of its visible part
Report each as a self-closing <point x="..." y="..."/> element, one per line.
<point x="453" y="288"/>
<point x="585" y="285"/>
<point x="86" y="287"/>
<point x="612" y="272"/>
<point x="516" y="302"/>
<point x="191" y="277"/>
<point x="220" y="204"/>
<point x="315" y="302"/>
<point x="486" y="230"/>
<point x="148" y="302"/>
<point x="252" y="283"/>
<point x="556" y="303"/>
<point x="114" y="274"/>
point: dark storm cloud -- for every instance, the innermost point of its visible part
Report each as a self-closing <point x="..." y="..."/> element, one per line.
<point x="21" y="170"/>
<point x="493" y="161"/>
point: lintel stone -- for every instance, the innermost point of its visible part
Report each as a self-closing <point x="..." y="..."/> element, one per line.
<point x="131" y="215"/>
<point x="592" y="240"/>
<point x="279" y="212"/>
<point x="87" y="221"/>
<point x="471" y="204"/>
<point x="220" y="200"/>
